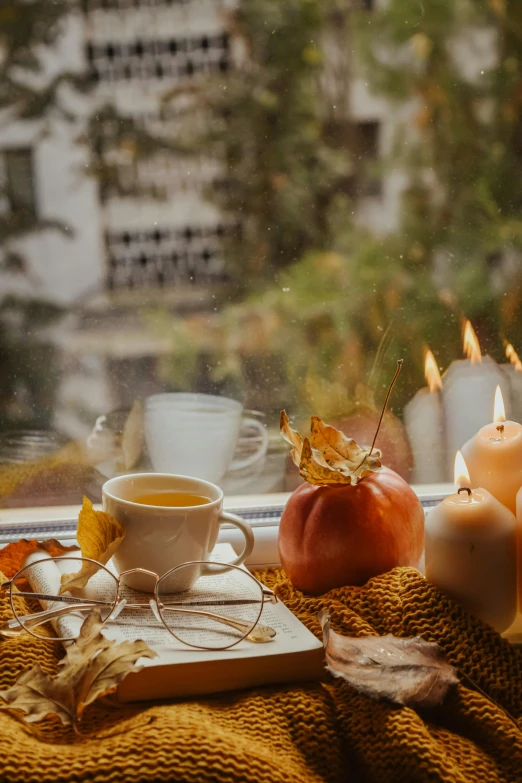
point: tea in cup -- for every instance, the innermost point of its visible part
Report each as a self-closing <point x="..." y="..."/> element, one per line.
<point x="169" y="520"/>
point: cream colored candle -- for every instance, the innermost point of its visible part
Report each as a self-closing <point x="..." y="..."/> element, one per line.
<point x="519" y="548"/>
<point x="494" y="456"/>
<point x="470" y="550"/>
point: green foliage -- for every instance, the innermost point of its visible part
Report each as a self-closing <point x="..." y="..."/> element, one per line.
<point x="27" y="28"/>
<point x="29" y="363"/>
<point x="117" y="144"/>
<point x="329" y="300"/>
<point x="462" y="209"/>
<point x="24" y="28"/>
<point x="270" y="128"/>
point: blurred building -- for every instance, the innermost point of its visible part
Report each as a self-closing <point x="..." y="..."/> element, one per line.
<point x="167" y="248"/>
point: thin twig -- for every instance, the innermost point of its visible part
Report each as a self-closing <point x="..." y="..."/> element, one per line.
<point x="381" y="351"/>
<point x="392" y="384"/>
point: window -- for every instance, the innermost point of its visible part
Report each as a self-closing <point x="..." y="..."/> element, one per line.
<point x="158" y="59"/>
<point x="272" y="213"/>
<point x="18" y="182"/>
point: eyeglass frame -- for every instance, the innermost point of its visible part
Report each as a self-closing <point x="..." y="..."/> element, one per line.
<point x="265" y="633"/>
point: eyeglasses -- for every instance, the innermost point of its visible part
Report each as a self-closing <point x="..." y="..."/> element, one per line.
<point x="214" y="612"/>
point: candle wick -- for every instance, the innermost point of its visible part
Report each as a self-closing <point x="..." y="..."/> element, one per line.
<point x="500" y="428"/>
<point x="464" y="489"/>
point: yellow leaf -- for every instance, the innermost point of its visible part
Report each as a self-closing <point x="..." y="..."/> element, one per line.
<point x="99" y="535"/>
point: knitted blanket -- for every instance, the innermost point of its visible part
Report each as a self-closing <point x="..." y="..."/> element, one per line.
<point x="322" y="732"/>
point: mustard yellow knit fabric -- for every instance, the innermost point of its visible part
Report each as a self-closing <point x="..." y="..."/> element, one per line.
<point x="322" y="732"/>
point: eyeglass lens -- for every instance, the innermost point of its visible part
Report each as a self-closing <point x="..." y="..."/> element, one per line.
<point x="209" y="612"/>
<point x="215" y="611"/>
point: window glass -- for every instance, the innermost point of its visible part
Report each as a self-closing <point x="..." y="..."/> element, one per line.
<point x="264" y="201"/>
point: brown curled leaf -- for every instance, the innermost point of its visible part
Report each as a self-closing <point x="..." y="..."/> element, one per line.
<point x="328" y="457"/>
<point x="338" y="451"/>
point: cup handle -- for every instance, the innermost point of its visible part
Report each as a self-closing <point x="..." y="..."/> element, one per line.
<point x="224" y="517"/>
<point x="239" y="464"/>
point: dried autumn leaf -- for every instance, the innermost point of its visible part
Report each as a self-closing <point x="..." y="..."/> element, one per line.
<point x="338" y="451"/>
<point x="108" y="670"/>
<point x="89" y="640"/>
<point x="99" y="535"/>
<point x="315" y="472"/>
<point x="93" y="667"/>
<point x="38" y="695"/>
<point x="328" y="457"/>
<point x="410" y="671"/>
<point x="292" y="437"/>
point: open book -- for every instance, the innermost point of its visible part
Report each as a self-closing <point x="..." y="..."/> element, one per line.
<point x="294" y="654"/>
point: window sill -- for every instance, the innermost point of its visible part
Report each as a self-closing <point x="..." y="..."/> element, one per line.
<point x="428" y="493"/>
<point x="261" y="511"/>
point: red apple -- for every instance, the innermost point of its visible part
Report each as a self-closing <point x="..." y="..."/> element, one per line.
<point x="333" y="536"/>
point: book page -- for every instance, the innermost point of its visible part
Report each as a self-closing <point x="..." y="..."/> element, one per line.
<point x="132" y="623"/>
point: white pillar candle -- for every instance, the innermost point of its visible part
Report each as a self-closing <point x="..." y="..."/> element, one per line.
<point x="513" y="372"/>
<point x="514" y="378"/>
<point x="470" y="550"/>
<point x="494" y="456"/>
<point x="468" y="390"/>
<point x="424" y="421"/>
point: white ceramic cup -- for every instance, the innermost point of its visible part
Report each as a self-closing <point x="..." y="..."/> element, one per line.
<point x="197" y="434"/>
<point x="159" y="538"/>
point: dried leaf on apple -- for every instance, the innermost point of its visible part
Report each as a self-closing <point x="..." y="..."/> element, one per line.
<point x="328" y="457"/>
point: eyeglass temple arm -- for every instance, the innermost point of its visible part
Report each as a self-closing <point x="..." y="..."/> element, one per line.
<point x="13" y="627"/>
<point x="239" y="625"/>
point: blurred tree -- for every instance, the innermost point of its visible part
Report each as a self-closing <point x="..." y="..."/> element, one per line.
<point x="27" y="381"/>
<point x="345" y="302"/>
<point x="277" y="122"/>
<point x="33" y="93"/>
<point x="458" y="65"/>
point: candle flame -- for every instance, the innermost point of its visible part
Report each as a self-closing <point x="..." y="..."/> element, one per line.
<point x="461" y="474"/>
<point x="513" y="357"/>
<point x="471" y="344"/>
<point x="431" y="371"/>
<point x="499" y="411"/>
